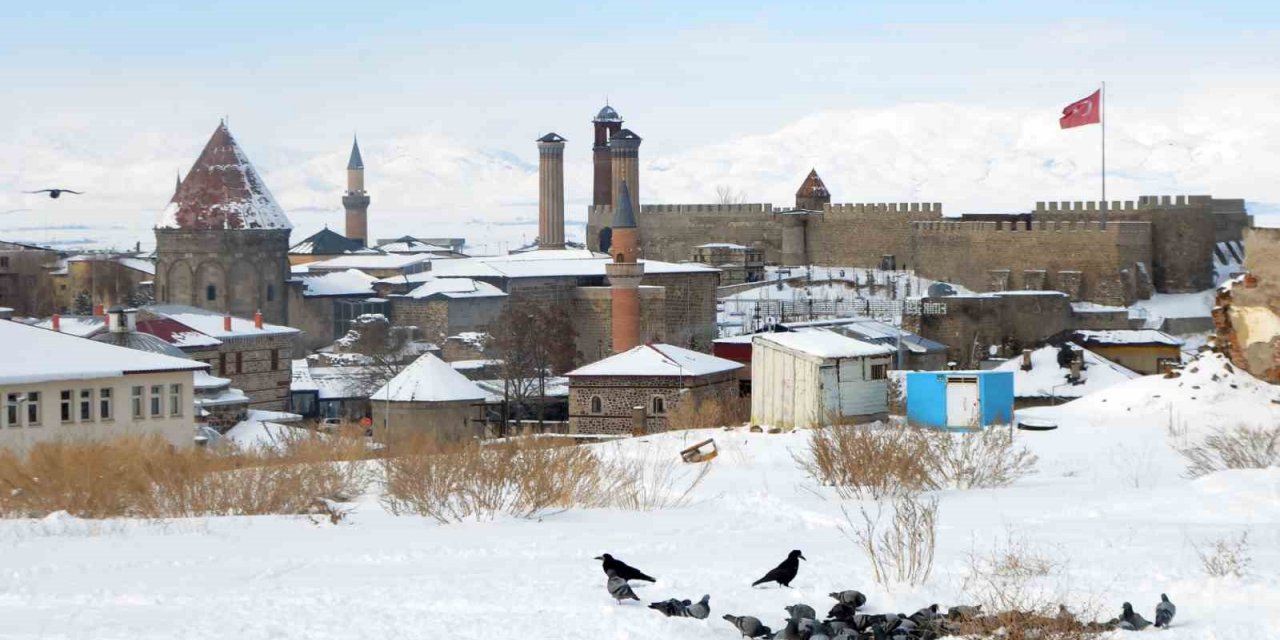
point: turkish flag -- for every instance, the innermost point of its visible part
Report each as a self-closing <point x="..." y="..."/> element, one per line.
<point x="1082" y="112"/>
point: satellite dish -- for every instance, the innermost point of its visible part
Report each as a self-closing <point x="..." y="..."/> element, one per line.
<point x="941" y="290"/>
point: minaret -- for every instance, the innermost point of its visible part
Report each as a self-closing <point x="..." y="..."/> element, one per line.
<point x="624" y="154"/>
<point x="625" y="273"/>
<point x="607" y="123"/>
<point x="812" y="194"/>
<point x="551" y="192"/>
<point x="355" y="200"/>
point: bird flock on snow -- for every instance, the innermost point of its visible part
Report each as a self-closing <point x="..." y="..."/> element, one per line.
<point x="845" y="621"/>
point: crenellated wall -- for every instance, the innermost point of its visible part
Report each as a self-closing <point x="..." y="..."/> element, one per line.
<point x="860" y="235"/>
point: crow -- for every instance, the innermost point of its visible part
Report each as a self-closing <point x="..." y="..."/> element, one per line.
<point x="622" y="569"/>
<point x="784" y="573"/>
<point x="1165" y="612"/>
<point x="54" y="193"/>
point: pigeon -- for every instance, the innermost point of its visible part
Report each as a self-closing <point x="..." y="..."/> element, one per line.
<point x="669" y="608"/>
<point x="1165" y="612"/>
<point x="928" y="613"/>
<point x="801" y="612"/>
<point x="54" y="193"/>
<point x="790" y="632"/>
<point x="849" y="597"/>
<point x="622" y="569"/>
<point x="700" y="609"/>
<point x="784" y="573"/>
<point x="964" y="612"/>
<point x="842" y="611"/>
<point x="619" y="589"/>
<point x="1131" y="620"/>
<point x="748" y="626"/>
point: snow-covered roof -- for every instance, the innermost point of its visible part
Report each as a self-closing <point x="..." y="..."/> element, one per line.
<point x="454" y="288"/>
<point x="338" y="383"/>
<point x="211" y="323"/>
<point x="369" y="261"/>
<point x="428" y="379"/>
<point x="722" y="245"/>
<point x="1046" y="379"/>
<point x="206" y="381"/>
<point x="351" y="282"/>
<point x="325" y="242"/>
<point x="176" y="333"/>
<point x="656" y="360"/>
<point x="824" y="344"/>
<point x="412" y="245"/>
<point x="223" y="191"/>
<point x="870" y="330"/>
<point x="554" y="387"/>
<point x="39" y="355"/>
<point x="537" y="264"/>
<point x="79" y="326"/>
<point x="1128" y="337"/>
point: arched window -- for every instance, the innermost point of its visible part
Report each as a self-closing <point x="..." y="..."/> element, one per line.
<point x="211" y="292"/>
<point x="597" y="405"/>
<point x="271" y="292"/>
<point x="620" y="258"/>
<point x="658" y="405"/>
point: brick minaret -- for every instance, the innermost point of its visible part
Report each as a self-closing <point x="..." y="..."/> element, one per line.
<point x="625" y="273"/>
<point x="624" y="152"/>
<point x="355" y="200"/>
<point x="812" y="194"/>
<point x="607" y="123"/>
<point x="551" y="192"/>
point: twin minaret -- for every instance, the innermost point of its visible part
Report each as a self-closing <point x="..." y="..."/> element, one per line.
<point x="551" y="192"/>
<point x="356" y="200"/>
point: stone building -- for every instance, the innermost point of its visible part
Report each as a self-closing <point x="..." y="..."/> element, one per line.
<point x="322" y="304"/>
<point x="104" y="279"/>
<point x="322" y="245"/>
<point x="25" y="285"/>
<point x="443" y="307"/>
<point x="430" y="398"/>
<point x="222" y="243"/>
<point x="737" y="263"/>
<point x="643" y="385"/>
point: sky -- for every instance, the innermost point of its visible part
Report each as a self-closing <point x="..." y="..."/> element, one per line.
<point x="121" y="96"/>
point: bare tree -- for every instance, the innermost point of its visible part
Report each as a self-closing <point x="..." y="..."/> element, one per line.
<point x="533" y="339"/>
<point x="383" y="349"/>
<point x="726" y="194"/>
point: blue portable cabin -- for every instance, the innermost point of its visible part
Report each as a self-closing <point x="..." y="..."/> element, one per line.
<point x="960" y="399"/>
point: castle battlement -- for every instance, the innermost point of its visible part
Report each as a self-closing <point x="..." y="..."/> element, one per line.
<point x="1143" y="203"/>
<point x="933" y="208"/>
<point x="1039" y="226"/>
<point x="754" y="207"/>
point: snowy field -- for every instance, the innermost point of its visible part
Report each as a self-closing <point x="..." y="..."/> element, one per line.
<point x="1108" y="504"/>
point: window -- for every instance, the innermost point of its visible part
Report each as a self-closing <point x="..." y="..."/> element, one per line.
<point x="211" y="293"/>
<point x="11" y="410"/>
<point x="175" y="399"/>
<point x="222" y="363"/>
<point x="33" y="408"/>
<point x="66" y="406"/>
<point x="137" y="403"/>
<point x="275" y="359"/>
<point x="4" y="262"/>
<point x="658" y="405"/>
<point x="597" y="405"/>
<point x="239" y="362"/>
<point x="104" y="404"/>
<point x="86" y="405"/>
<point x="271" y="292"/>
<point x="157" y="391"/>
<point x="879" y="371"/>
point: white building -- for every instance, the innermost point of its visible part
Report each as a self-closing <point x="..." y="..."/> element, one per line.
<point x="56" y="386"/>
<point x="807" y="378"/>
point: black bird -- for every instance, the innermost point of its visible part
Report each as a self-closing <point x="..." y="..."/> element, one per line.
<point x="54" y="193"/>
<point x="622" y="569"/>
<point x="784" y="573"/>
<point x="1165" y="612"/>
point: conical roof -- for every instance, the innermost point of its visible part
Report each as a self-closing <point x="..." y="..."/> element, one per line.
<point x="356" y="162"/>
<point x="428" y="379"/>
<point x="624" y="215"/>
<point x="813" y="187"/>
<point x="223" y="191"/>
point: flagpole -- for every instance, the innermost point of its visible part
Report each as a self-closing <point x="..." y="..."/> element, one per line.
<point x="1102" y="117"/>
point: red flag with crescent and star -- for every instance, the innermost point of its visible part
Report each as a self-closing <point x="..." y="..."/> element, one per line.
<point x="1082" y="112"/>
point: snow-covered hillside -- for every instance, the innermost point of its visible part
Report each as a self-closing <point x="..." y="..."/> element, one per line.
<point x="1108" y="505"/>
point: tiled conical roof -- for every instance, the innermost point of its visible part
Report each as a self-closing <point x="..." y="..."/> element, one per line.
<point x="625" y="216"/>
<point x="356" y="162"/>
<point x="223" y="191"/>
<point x="813" y="187"/>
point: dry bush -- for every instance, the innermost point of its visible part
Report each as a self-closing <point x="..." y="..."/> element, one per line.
<point x="1012" y="577"/>
<point x="1026" y="625"/>
<point x="1225" y="556"/>
<point x="900" y="551"/>
<point x="868" y="461"/>
<point x="983" y="458"/>
<point x="454" y="482"/>
<point x="1241" y="447"/>
<point x="147" y="477"/>
<point x="705" y="413"/>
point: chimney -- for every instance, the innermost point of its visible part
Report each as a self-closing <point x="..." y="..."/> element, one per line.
<point x="131" y="320"/>
<point x="97" y="310"/>
<point x="1026" y="359"/>
<point x="57" y="322"/>
<point x="257" y="319"/>
<point x="116" y="321"/>
<point x="226" y="322"/>
<point x="1077" y="361"/>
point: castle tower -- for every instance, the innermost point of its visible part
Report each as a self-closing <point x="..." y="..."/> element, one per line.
<point x="551" y="192"/>
<point x="222" y="243"/>
<point x="607" y="123"/>
<point x="355" y="200"/>
<point x="625" y="273"/>
<point x="624" y="153"/>
<point x="812" y="194"/>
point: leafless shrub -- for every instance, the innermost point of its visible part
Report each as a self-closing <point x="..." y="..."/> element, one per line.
<point x="900" y="550"/>
<point x="984" y="458"/>
<point x="1225" y="556"/>
<point x="705" y="413"/>
<point x="1010" y="576"/>
<point x="650" y="483"/>
<point x="1240" y="447"/>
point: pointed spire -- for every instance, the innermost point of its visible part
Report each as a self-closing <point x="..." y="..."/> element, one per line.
<point x="177" y="184"/>
<point x="356" y="162"/>
<point x="813" y="186"/>
<point x="624" y="216"/>
<point x="223" y="191"/>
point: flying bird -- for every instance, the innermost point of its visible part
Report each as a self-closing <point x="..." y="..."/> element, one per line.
<point x="622" y="569"/>
<point x="748" y="626"/>
<point x="619" y="589"/>
<point x="1165" y="611"/>
<point x="784" y="573"/>
<point x="54" y="193"/>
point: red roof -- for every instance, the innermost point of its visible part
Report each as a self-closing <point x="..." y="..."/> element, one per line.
<point x="223" y="191"/>
<point x="175" y="333"/>
<point x="813" y="187"/>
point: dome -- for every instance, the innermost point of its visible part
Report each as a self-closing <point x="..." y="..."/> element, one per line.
<point x="607" y="114"/>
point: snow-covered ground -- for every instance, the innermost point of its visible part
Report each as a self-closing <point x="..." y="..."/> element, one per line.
<point x="1108" y="503"/>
